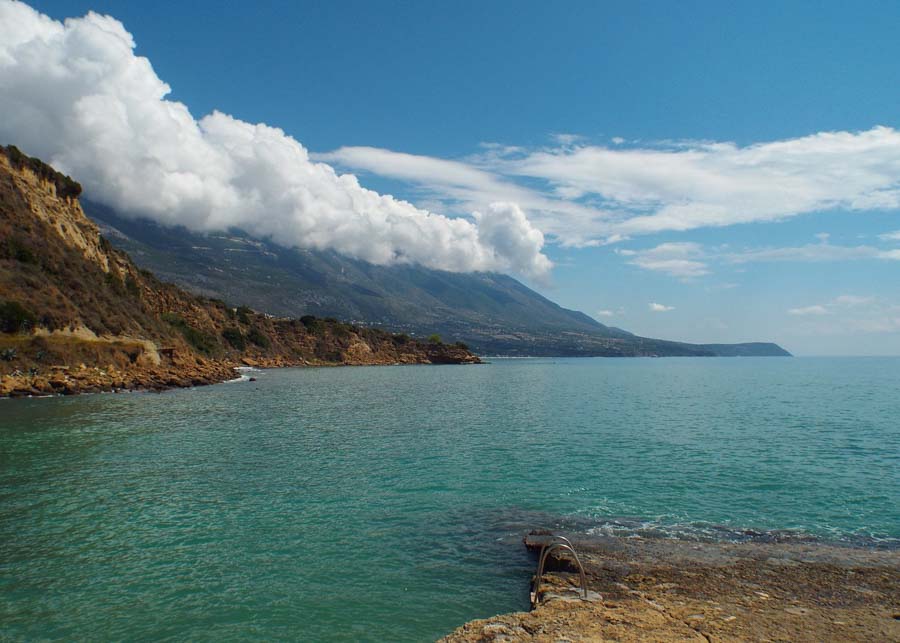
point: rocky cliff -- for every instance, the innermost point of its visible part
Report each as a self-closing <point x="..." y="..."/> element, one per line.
<point x="78" y="315"/>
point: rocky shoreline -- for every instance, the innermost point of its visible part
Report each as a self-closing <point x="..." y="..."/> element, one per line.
<point x="181" y="373"/>
<point x="670" y="590"/>
<point x="84" y="379"/>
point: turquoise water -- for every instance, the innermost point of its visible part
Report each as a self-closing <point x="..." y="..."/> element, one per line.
<point x="388" y="503"/>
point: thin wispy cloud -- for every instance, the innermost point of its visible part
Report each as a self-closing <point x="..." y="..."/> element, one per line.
<point x="849" y="314"/>
<point x="660" y="308"/>
<point x="676" y="259"/>
<point x="808" y="310"/>
<point x="583" y="194"/>
<point x="686" y="260"/>
<point x="812" y="253"/>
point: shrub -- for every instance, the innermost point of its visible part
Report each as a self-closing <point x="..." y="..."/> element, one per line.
<point x="462" y="345"/>
<point x="401" y="338"/>
<point x="435" y="339"/>
<point x="16" y="249"/>
<point x="341" y="330"/>
<point x="313" y="325"/>
<point x="115" y="283"/>
<point x="15" y="318"/>
<point x="131" y="286"/>
<point x="259" y="338"/>
<point x="8" y="354"/>
<point x="199" y="340"/>
<point x="234" y="337"/>
<point x="243" y="314"/>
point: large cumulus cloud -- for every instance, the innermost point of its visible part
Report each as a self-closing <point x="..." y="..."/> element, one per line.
<point x="76" y="95"/>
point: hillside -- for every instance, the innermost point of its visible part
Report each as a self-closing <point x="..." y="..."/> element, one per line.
<point x="493" y="313"/>
<point x="77" y="314"/>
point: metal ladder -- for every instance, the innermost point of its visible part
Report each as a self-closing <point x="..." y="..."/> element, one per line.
<point x="564" y="544"/>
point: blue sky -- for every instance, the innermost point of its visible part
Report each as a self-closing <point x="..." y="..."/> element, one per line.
<point x="676" y="156"/>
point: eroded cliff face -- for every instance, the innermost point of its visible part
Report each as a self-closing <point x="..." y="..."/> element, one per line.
<point x="78" y="315"/>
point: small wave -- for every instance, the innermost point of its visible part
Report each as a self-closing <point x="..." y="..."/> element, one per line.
<point x="709" y="532"/>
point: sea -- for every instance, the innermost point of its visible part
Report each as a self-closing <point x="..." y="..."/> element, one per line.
<point x="390" y="502"/>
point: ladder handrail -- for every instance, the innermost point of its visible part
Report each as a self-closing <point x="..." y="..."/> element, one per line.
<point x="545" y="553"/>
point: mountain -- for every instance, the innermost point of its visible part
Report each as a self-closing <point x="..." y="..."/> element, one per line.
<point x="493" y="313"/>
<point x="77" y="314"/>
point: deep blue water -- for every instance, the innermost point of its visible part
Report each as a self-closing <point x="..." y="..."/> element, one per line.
<point x="388" y="503"/>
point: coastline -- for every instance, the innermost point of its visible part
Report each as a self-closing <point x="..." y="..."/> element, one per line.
<point x="187" y="373"/>
<point x="665" y="589"/>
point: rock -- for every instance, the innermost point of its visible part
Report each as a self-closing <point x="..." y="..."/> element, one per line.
<point x="536" y="539"/>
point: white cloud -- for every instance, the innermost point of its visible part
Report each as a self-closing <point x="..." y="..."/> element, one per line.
<point x="604" y="313"/>
<point x="567" y="139"/>
<point x="583" y="193"/>
<point x="75" y="95"/>
<point x="660" y="308"/>
<point x="462" y="186"/>
<point x="504" y="227"/>
<point x="808" y="310"/>
<point x="701" y="184"/>
<point x="676" y="259"/>
<point x="890" y="236"/>
<point x="617" y="140"/>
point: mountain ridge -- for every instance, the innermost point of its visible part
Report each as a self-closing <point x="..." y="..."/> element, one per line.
<point x="491" y="312"/>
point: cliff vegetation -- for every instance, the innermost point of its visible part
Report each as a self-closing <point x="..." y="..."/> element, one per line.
<point x="78" y="315"/>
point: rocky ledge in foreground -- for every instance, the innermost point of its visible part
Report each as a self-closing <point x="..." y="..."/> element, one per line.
<point x="664" y="590"/>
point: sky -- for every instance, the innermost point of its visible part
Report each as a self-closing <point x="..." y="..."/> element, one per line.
<point x="698" y="171"/>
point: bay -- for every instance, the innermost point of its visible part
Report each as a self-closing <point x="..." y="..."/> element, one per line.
<point x="388" y="503"/>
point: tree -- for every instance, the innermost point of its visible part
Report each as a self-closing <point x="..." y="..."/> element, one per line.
<point x="14" y="318"/>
